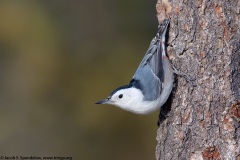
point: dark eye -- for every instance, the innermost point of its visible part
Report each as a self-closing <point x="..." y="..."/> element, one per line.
<point x="120" y="96"/>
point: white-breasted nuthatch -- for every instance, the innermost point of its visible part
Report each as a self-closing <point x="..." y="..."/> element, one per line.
<point x="152" y="83"/>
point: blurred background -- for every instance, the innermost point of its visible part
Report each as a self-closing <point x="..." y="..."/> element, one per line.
<point x="57" y="58"/>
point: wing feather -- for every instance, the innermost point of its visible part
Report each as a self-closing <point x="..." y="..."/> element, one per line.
<point x="150" y="72"/>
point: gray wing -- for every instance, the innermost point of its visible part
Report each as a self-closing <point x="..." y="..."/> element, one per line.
<point x="150" y="73"/>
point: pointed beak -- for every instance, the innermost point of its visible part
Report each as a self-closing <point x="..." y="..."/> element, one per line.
<point x="105" y="101"/>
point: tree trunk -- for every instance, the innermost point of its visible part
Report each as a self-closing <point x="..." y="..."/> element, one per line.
<point x="204" y="42"/>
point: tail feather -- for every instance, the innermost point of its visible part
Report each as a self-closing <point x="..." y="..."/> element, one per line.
<point x="161" y="35"/>
<point x="161" y="51"/>
<point x="162" y="28"/>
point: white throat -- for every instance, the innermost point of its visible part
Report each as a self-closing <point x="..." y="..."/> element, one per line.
<point x="134" y="102"/>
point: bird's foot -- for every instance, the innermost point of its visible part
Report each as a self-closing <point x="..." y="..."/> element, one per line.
<point x="187" y="77"/>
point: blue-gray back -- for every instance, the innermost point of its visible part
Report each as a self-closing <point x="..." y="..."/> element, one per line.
<point x="149" y="73"/>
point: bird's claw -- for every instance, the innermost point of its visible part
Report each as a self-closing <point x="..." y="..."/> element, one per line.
<point x="187" y="77"/>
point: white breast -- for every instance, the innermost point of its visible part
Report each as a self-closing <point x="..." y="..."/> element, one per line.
<point x="136" y="104"/>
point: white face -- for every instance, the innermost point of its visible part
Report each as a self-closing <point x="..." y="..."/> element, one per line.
<point x="123" y="96"/>
<point x="126" y="98"/>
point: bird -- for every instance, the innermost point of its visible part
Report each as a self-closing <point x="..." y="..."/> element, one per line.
<point x="152" y="82"/>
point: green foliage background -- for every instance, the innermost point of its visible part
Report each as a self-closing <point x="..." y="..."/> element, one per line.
<point x="57" y="58"/>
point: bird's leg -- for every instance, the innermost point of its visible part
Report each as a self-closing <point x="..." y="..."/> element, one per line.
<point x="187" y="77"/>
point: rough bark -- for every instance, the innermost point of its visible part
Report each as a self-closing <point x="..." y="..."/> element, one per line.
<point x="204" y="42"/>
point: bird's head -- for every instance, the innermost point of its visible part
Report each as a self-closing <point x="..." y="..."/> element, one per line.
<point x="125" y="97"/>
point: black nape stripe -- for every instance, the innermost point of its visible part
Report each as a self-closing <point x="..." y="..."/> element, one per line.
<point x="136" y="84"/>
<point x="133" y="83"/>
<point x="122" y="87"/>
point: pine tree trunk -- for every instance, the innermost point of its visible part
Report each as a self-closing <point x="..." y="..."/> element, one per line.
<point x="204" y="42"/>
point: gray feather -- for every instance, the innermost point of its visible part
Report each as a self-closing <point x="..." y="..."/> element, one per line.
<point x="150" y="72"/>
